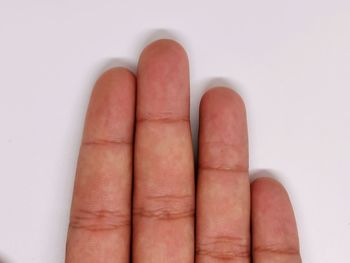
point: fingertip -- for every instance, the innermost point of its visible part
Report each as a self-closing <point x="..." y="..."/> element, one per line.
<point x="115" y="75"/>
<point x="112" y="104"/>
<point x="223" y="117"/>
<point x="166" y="49"/>
<point x="223" y="95"/>
<point x="117" y="83"/>
<point x="273" y="222"/>
<point x="267" y="185"/>
<point x="163" y="81"/>
<point x="270" y="195"/>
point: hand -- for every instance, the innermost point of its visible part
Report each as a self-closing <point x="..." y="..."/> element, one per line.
<point x="136" y="196"/>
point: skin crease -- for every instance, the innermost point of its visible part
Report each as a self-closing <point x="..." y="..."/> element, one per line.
<point x="135" y="197"/>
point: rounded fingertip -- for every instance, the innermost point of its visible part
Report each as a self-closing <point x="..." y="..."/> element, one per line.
<point x="163" y="81"/>
<point x="267" y="191"/>
<point x="165" y="42"/>
<point x="221" y="90"/>
<point x="164" y="49"/>
<point x="224" y="107"/>
<point x="111" y="108"/>
<point x="267" y="184"/>
<point x="224" y="96"/>
<point x="222" y="121"/>
<point x="273" y="220"/>
<point x="117" y="82"/>
<point x="116" y="74"/>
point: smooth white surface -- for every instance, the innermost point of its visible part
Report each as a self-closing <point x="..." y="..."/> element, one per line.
<point x="290" y="60"/>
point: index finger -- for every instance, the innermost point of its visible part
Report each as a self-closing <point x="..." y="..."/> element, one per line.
<point x="99" y="229"/>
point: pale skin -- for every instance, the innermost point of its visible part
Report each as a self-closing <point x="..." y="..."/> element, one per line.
<point x="139" y="195"/>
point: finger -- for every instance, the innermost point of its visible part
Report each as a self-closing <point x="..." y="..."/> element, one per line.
<point x="223" y="187"/>
<point x="99" y="229"/>
<point x="275" y="237"/>
<point x="164" y="182"/>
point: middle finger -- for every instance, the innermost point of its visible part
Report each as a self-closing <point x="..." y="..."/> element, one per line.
<point x="163" y="223"/>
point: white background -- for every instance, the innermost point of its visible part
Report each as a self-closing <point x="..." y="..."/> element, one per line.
<point x="290" y="60"/>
